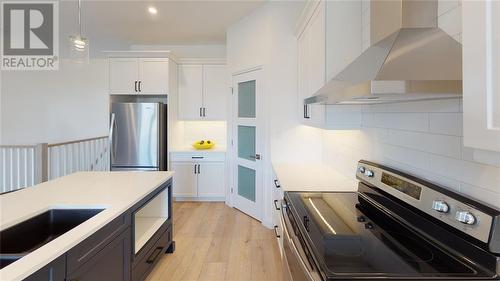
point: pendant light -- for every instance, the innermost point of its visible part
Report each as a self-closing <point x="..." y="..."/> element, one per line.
<point x="79" y="45"/>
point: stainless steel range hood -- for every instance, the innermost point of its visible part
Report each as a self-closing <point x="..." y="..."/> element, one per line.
<point x="413" y="61"/>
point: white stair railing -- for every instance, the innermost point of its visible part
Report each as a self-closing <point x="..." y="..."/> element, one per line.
<point x="26" y="165"/>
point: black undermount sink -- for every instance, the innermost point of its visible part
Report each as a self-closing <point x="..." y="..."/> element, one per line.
<point x="29" y="235"/>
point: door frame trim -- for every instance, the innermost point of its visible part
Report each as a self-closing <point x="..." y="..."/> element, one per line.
<point x="263" y="141"/>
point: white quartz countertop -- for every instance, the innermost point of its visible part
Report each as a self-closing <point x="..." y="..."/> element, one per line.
<point x="116" y="192"/>
<point x="190" y="148"/>
<point x="312" y="177"/>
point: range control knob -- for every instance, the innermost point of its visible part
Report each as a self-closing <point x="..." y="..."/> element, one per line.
<point x="440" y="206"/>
<point x="361" y="169"/>
<point x="465" y="217"/>
<point x="369" y="173"/>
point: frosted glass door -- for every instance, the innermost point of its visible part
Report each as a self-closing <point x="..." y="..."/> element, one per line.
<point x="248" y="172"/>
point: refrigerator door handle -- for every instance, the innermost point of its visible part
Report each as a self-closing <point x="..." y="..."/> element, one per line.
<point x="112" y="141"/>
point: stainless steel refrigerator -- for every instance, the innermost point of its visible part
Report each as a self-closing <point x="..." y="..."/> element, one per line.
<point x="138" y="136"/>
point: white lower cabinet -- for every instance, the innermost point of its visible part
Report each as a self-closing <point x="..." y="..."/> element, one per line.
<point x="199" y="176"/>
<point x="185" y="179"/>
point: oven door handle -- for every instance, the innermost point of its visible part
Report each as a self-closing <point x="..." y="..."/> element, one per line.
<point x="299" y="255"/>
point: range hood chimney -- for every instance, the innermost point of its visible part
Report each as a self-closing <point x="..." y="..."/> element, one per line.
<point x="412" y="59"/>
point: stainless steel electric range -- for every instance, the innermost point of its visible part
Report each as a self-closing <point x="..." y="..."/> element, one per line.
<point x="395" y="227"/>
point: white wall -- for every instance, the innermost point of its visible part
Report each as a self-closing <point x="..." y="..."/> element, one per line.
<point x="54" y="106"/>
<point x="266" y="38"/>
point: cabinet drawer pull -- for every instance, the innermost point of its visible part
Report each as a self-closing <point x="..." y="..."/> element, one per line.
<point x="277" y="184"/>
<point x="197" y="157"/>
<point x="276" y="205"/>
<point x="154" y="255"/>
<point x="276" y="231"/>
<point x="306" y="111"/>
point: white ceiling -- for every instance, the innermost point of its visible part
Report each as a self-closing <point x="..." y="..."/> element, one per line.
<point x="119" y="24"/>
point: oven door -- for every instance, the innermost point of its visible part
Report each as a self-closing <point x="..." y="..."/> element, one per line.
<point x="296" y="266"/>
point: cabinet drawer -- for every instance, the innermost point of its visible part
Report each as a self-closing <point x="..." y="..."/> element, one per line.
<point x="198" y="157"/>
<point x="153" y="251"/>
<point x="111" y="263"/>
<point x="84" y="251"/>
<point x="54" y="271"/>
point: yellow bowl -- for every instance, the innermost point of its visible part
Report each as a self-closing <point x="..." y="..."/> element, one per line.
<point x="205" y="145"/>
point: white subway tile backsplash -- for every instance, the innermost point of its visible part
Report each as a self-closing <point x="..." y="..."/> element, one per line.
<point x="446" y="123"/>
<point x="408" y="156"/>
<point x="487" y="196"/>
<point x="481" y="156"/>
<point x="452" y="105"/>
<point x="437" y="144"/>
<point x="485" y="176"/>
<point x="403" y="121"/>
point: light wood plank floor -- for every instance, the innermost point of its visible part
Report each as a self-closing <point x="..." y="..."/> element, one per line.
<point x="215" y="242"/>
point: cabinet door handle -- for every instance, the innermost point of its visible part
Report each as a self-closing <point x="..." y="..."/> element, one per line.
<point x="277" y="184"/>
<point x="276" y="205"/>
<point x="154" y="255"/>
<point x="306" y="111"/>
<point x="199" y="169"/>
<point x="201" y="115"/>
<point x="140" y="86"/>
<point x="195" y="171"/>
<point x="135" y="86"/>
<point x="276" y="231"/>
<point x="204" y="112"/>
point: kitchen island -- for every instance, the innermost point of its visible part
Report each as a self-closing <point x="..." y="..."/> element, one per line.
<point x="122" y="196"/>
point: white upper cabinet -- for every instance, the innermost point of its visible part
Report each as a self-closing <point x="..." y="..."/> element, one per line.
<point x="153" y="76"/>
<point x="139" y="76"/>
<point x="123" y="75"/>
<point x="190" y="83"/>
<point x="311" y="66"/>
<point x="331" y="39"/>
<point x="203" y="92"/>
<point x="481" y="74"/>
<point x="215" y="91"/>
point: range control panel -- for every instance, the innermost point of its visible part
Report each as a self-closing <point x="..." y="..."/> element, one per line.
<point x="429" y="199"/>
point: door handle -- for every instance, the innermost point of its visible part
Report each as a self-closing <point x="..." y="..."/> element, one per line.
<point x="140" y="86"/>
<point x="256" y="156"/>
<point x="154" y="255"/>
<point x="204" y="112"/>
<point x="306" y="111"/>
<point x="276" y="231"/>
<point x="201" y="115"/>
<point x="135" y="86"/>
<point x="277" y="184"/>
<point x="111" y="136"/>
<point x="199" y="169"/>
<point x="195" y="172"/>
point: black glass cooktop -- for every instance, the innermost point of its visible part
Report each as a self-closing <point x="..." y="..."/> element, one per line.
<point x="349" y="236"/>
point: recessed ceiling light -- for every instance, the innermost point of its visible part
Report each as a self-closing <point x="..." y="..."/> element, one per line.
<point x="152" y="10"/>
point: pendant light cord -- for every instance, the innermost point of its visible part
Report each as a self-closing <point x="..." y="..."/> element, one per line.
<point x="80" y="17"/>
